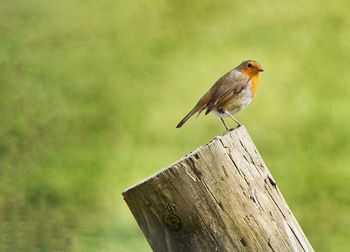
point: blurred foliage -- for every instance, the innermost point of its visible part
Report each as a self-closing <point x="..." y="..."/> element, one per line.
<point x="91" y="92"/>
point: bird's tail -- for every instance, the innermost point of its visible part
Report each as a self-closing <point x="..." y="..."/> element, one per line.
<point x="193" y="111"/>
<point x="201" y="104"/>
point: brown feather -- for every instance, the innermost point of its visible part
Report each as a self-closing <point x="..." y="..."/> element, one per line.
<point x="223" y="90"/>
<point x="226" y="88"/>
<point x="201" y="104"/>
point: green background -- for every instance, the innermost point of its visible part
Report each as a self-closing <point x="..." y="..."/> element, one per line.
<point x="91" y="92"/>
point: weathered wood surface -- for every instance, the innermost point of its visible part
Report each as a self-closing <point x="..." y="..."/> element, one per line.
<point x="220" y="197"/>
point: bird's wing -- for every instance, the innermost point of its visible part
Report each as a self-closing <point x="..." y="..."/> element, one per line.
<point x="226" y="88"/>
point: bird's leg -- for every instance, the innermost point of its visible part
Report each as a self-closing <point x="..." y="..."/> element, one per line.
<point x="224" y="123"/>
<point x="229" y="114"/>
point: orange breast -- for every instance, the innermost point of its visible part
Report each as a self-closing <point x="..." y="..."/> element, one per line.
<point x="254" y="80"/>
<point x="253" y="77"/>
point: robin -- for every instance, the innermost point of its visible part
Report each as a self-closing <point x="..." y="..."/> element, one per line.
<point x="230" y="93"/>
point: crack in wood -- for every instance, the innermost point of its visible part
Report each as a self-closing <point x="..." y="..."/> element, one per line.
<point x="223" y="144"/>
<point x="270" y="246"/>
<point x="209" y="232"/>
<point x="251" y="159"/>
<point x="224" y="169"/>
<point x="272" y="181"/>
<point x="216" y="201"/>
<point x="291" y="236"/>
<point x="200" y="217"/>
<point x="243" y="242"/>
<point x="302" y="244"/>
<point x="255" y="199"/>
<point x="235" y="165"/>
<point x="274" y="201"/>
<point x="196" y="171"/>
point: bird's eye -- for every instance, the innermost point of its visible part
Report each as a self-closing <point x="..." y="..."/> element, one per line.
<point x="249" y="65"/>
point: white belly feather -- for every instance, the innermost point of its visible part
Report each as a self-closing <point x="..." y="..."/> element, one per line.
<point x="239" y="102"/>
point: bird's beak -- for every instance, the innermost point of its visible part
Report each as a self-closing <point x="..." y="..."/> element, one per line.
<point x="260" y="70"/>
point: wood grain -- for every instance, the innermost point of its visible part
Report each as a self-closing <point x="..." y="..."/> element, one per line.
<point x="220" y="197"/>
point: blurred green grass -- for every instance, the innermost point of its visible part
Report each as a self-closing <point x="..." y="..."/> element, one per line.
<point x="91" y="93"/>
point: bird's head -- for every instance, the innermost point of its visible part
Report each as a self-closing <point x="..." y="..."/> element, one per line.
<point x="250" y="68"/>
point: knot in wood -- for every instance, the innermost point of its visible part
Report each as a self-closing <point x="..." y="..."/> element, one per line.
<point x="173" y="222"/>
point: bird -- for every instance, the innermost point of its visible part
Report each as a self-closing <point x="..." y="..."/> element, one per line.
<point x="229" y="94"/>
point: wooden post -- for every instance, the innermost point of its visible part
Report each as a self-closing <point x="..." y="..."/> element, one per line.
<point x="220" y="197"/>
